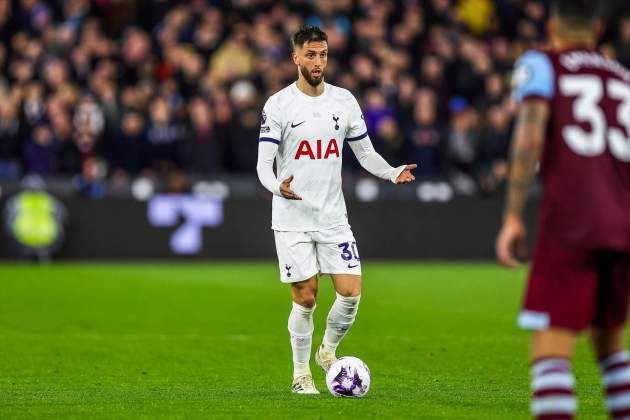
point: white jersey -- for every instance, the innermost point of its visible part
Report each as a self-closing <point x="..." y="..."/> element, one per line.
<point x="310" y="133"/>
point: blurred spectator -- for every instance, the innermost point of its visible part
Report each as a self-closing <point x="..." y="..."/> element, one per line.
<point x="135" y="51"/>
<point x="166" y="89"/>
<point x="494" y="91"/>
<point x="476" y="14"/>
<point x="91" y="181"/>
<point x="234" y="59"/>
<point x="202" y="151"/>
<point x="473" y="67"/>
<point x="10" y="135"/>
<point x="389" y="139"/>
<point x="405" y="99"/>
<point x="40" y="151"/>
<point x="33" y="104"/>
<point x="164" y="134"/>
<point x="244" y="127"/>
<point x="494" y="149"/>
<point x="623" y="42"/>
<point x="68" y="152"/>
<point x="463" y="137"/>
<point x="131" y="149"/>
<point x="89" y="124"/>
<point x="433" y="75"/>
<point x="376" y="109"/>
<point x="426" y="136"/>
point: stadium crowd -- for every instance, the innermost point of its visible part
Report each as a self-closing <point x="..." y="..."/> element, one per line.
<point x="111" y="89"/>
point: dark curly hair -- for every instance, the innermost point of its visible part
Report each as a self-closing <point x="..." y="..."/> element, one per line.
<point x="580" y="13"/>
<point x="308" y="34"/>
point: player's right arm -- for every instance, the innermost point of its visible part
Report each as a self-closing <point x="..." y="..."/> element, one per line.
<point x="534" y="88"/>
<point x="270" y="136"/>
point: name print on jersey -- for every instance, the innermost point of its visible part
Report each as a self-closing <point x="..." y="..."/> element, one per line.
<point x="305" y="149"/>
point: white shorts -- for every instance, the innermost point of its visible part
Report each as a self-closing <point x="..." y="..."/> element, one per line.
<point x="302" y="255"/>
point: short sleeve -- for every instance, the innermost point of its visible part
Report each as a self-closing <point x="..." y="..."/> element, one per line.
<point x="357" y="129"/>
<point x="533" y="77"/>
<point x="270" y="126"/>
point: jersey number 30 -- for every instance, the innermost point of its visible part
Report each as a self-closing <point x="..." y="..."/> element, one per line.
<point x="589" y="91"/>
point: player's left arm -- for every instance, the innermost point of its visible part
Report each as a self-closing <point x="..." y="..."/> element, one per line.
<point x="361" y="145"/>
<point x="374" y="163"/>
<point x="527" y="146"/>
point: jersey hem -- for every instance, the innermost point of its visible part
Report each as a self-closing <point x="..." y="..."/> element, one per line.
<point x="535" y="96"/>
<point x="309" y="229"/>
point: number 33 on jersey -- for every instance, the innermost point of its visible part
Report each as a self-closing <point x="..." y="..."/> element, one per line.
<point x="593" y="91"/>
<point x="585" y="167"/>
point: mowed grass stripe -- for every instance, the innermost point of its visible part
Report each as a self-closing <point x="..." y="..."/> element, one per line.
<point x="210" y="341"/>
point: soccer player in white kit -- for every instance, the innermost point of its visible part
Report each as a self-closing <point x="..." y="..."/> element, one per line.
<point x="303" y="128"/>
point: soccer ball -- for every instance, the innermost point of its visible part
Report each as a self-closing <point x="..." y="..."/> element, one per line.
<point x="348" y="377"/>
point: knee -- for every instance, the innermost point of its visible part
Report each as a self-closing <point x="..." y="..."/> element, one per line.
<point x="307" y="301"/>
<point x="305" y="296"/>
<point x="608" y="341"/>
<point x="348" y="286"/>
<point x="350" y="291"/>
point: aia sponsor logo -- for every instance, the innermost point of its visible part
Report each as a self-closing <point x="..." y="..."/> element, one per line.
<point x="306" y="151"/>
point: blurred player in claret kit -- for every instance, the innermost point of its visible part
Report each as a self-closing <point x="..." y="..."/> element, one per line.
<point x="574" y="116"/>
<point x="303" y="128"/>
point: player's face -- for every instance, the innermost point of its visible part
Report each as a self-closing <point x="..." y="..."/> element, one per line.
<point x="311" y="59"/>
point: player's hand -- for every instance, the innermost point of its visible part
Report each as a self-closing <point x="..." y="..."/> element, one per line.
<point x="286" y="191"/>
<point x="511" y="246"/>
<point x="406" y="176"/>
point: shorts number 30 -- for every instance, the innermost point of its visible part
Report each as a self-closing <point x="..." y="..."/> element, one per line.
<point x="349" y="251"/>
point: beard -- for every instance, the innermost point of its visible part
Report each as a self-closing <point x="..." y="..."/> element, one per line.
<point x="311" y="81"/>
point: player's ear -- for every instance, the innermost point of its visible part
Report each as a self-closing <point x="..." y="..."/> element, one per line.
<point x="551" y="28"/>
<point x="600" y="27"/>
<point x="294" y="57"/>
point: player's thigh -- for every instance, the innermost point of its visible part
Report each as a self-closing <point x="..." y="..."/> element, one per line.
<point x="561" y="289"/>
<point x="297" y="258"/>
<point x="613" y="293"/>
<point x="337" y="251"/>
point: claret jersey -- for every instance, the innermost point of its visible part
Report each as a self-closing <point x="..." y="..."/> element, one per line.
<point x="585" y="166"/>
<point x="310" y="133"/>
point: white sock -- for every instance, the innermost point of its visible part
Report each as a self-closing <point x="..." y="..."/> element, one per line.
<point x="340" y="319"/>
<point x="301" y="332"/>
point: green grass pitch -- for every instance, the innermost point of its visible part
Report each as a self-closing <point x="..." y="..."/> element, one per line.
<point x="210" y="341"/>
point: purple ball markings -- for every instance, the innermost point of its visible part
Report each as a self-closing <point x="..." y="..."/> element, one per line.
<point x="345" y="384"/>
